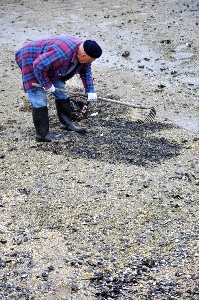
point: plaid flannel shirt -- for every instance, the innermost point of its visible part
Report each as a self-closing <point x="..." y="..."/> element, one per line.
<point x="43" y="61"/>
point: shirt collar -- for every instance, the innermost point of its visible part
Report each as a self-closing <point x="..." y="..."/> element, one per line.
<point x="75" y="53"/>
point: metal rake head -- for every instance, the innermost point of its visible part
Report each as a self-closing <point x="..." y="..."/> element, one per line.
<point x="149" y="118"/>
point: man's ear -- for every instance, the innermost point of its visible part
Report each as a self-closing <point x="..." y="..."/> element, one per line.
<point x="81" y="50"/>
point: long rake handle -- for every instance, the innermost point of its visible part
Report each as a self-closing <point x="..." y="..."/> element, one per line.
<point x="100" y="98"/>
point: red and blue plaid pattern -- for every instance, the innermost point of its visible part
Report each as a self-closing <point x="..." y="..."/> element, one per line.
<point x="43" y="61"/>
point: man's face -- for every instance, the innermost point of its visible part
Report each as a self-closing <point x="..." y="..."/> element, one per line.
<point x="84" y="58"/>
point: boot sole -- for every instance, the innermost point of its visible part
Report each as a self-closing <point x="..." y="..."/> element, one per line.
<point x="80" y="131"/>
<point x="48" y="141"/>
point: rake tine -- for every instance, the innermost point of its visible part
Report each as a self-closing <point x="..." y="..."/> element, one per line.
<point x="150" y="117"/>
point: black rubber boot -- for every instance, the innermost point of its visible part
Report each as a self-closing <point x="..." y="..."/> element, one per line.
<point x="65" y="116"/>
<point x="41" y="123"/>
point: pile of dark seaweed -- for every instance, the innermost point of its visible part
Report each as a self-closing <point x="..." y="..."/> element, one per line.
<point x="113" y="137"/>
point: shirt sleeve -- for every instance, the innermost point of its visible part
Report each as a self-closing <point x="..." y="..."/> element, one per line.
<point x="87" y="78"/>
<point x="44" y="63"/>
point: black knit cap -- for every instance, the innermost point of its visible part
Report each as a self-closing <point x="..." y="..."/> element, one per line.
<point x="92" y="49"/>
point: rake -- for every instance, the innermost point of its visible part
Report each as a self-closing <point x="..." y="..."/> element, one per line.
<point x="149" y="118"/>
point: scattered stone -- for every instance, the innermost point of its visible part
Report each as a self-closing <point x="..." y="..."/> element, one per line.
<point x="3" y="241"/>
<point x="126" y="54"/>
<point x="74" y="287"/>
<point x="165" y="41"/>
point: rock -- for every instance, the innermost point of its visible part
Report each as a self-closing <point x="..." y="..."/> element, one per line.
<point x="126" y="54"/>
<point x="74" y="287"/>
<point x="3" y="241"/>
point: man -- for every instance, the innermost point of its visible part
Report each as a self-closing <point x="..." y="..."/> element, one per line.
<point x="50" y="62"/>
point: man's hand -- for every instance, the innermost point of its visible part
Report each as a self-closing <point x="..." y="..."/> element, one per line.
<point x="51" y="89"/>
<point x="92" y="96"/>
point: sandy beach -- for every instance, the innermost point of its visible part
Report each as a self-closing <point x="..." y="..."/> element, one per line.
<point x="112" y="214"/>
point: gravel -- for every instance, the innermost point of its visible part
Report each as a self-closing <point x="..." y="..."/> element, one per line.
<point x="112" y="214"/>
